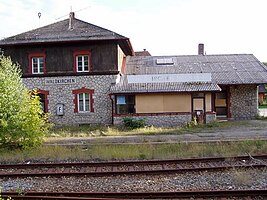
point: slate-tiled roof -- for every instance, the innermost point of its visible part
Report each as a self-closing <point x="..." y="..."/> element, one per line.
<point x="60" y="32"/>
<point x="225" y="70"/>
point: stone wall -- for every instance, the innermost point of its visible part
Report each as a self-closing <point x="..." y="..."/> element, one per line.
<point x="243" y="102"/>
<point x="210" y="117"/>
<point x="62" y="93"/>
<point x="160" y="120"/>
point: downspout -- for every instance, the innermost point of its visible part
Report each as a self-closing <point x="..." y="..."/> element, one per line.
<point x="112" y="109"/>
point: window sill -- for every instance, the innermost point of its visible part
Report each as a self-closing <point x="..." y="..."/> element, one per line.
<point x="84" y="113"/>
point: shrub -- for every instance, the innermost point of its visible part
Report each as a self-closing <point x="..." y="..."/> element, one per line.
<point x="131" y="123"/>
<point x="193" y="123"/>
<point x="22" y="121"/>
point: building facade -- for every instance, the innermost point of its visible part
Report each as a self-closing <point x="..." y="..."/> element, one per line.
<point x="72" y="65"/>
<point x="86" y="74"/>
<point x="173" y="90"/>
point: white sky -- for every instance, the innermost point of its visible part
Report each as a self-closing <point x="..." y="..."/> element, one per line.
<point x="163" y="27"/>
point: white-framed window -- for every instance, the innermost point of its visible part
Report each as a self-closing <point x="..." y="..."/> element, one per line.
<point x="38" y="65"/>
<point x="82" y="63"/>
<point x="83" y="102"/>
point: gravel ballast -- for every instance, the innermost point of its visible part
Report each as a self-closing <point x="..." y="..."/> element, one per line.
<point x="216" y="180"/>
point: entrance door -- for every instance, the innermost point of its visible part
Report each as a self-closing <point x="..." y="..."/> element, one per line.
<point x="221" y="104"/>
<point x="198" y="107"/>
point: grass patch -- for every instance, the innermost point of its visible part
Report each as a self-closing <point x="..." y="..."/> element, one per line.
<point x="101" y="130"/>
<point x="213" y="126"/>
<point x="137" y="151"/>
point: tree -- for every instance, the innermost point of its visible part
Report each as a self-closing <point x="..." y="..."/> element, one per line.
<point x="22" y="121"/>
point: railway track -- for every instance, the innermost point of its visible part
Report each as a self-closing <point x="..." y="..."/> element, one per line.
<point x="260" y="194"/>
<point x="130" y="167"/>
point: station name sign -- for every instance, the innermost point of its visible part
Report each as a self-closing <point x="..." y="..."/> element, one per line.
<point x="167" y="78"/>
<point x="60" y="81"/>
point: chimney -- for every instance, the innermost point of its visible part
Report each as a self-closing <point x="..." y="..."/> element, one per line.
<point x="71" y="17"/>
<point x="201" y="49"/>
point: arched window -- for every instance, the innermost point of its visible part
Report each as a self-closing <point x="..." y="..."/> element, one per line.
<point x="83" y="100"/>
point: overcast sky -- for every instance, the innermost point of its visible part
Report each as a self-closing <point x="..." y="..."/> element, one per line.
<point x="163" y="27"/>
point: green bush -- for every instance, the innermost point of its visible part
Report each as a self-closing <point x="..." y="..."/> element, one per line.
<point x="131" y="123"/>
<point x="22" y="121"/>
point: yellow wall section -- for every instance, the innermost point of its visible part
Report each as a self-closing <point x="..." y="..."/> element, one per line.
<point x="198" y="104"/>
<point x="156" y="103"/>
<point x="120" y="57"/>
<point x="208" y="102"/>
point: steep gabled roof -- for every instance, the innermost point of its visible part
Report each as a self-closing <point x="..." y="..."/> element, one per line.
<point x="231" y="69"/>
<point x="61" y="32"/>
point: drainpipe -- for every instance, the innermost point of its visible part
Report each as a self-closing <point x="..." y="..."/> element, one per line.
<point x="112" y="108"/>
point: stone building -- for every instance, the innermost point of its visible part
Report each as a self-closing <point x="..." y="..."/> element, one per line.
<point x="86" y="74"/>
<point x="173" y="90"/>
<point x="72" y="64"/>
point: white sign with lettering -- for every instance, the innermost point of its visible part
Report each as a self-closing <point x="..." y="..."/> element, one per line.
<point x="166" y="78"/>
<point x="60" y="109"/>
<point x="59" y="81"/>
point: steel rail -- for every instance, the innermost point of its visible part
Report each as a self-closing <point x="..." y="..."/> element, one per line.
<point x="129" y="172"/>
<point x="115" y="170"/>
<point x="53" y="198"/>
<point x="138" y="195"/>
<point x="144" y="162"/>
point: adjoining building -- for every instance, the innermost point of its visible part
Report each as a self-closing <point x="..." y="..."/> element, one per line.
<point x="172" y="90"/>
<point x="86" y="74"/>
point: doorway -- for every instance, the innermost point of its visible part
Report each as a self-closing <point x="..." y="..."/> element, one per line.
<point x="198" y="107"/>
<point x="220" y="104"/>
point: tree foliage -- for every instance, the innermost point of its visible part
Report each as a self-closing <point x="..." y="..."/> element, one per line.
<point x="22" y="121"/>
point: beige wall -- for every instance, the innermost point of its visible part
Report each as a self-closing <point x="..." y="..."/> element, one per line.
<point x="120" y="58"/>
<point x="155" y="103"/>
<point x="198" y="104"/>
<point x="208" y="102"/>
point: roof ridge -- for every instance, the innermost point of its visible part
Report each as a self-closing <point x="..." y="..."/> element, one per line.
<point x="60" y="29"/>
<point x="207" y="55"/>
<point x="100" y="27"/>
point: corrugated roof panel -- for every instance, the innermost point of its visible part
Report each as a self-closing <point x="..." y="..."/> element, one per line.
<point x="224" y="69"/>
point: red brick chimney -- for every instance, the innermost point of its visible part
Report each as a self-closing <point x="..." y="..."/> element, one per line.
<point x="71" y="17"/>
<point x="201" y="49"/>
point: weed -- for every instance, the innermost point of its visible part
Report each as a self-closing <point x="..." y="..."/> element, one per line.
<point x="9" y="198"/>
<point x="20" y="191"/>
<point x="242" y="177"/>
<point x="142" y="156"/>
<point x="132" y="123"/>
